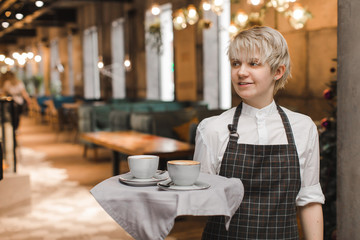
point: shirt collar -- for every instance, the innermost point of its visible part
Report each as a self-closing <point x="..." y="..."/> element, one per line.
<point x="255" y="112"/>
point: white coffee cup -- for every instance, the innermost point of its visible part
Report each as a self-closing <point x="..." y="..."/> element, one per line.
<point x="183" y="172"/>
<point x="143" y="166"/>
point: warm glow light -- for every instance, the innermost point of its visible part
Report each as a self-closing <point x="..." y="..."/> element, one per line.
<point x="298" y="17"/>
<point x="206" y="6"/>
<point x="155" y="9"/>
<point x="7" y="13"/>
<point x="192" y="16"/>
<point x="179" y="20"/>
<point x="217" y="6"/>
<point x="241" y="18"/>
<point x="100" y="64"/>
<point x="9" y="61"/>
<point x="16" y="55"/>
<point x="5" y="24"/>
<point x="255" y="2"/>
<point x="30" y="55"/>
<point x="298" y="13"/>
<point x="19" y="16"/>
<point x="280" y="5"/>
<point x="127" y="63"/>
<point x="39" y="3"/>
<point x="233" y="29"/>
<point x="21" y="61"/>
<point x="2" y="57"/>
<point x="37" y="58"/>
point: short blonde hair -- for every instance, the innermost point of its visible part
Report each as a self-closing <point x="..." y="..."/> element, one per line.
<point x="269" y="44"/>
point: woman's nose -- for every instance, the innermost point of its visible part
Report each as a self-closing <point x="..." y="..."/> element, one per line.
<point x="242" y="70"/>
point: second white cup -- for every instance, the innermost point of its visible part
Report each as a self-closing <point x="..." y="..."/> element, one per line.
<point x="143" y="166"/>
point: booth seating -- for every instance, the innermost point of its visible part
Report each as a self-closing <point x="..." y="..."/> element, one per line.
<point x="168" y="119"/>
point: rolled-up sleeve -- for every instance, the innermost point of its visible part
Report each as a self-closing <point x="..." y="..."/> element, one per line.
<point x="310" y="194"/>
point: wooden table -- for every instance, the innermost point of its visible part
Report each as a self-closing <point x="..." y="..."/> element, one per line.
<point x="136" y="143"/>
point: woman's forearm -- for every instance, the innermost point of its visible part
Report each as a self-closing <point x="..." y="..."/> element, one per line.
<point x="311" y="219"/>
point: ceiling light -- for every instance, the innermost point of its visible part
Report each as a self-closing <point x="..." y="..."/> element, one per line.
<point x="100" y="64"/>
<point x="155" y="9"/>
<point x="206" y="5"/>
<point x="39" y="3"/>
<point x="5" y="24"/>
<point x="179" y="20"/>
<point x="192" y="15"/>
<point x="19" y="16"/>
<point x="37" y="58"/>
<point x="2" y="57"/>
<point x="30" y="55"/>
<point x="16" y="55"/>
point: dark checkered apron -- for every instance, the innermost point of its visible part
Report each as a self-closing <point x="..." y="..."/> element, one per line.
<point x="271" y="178"/>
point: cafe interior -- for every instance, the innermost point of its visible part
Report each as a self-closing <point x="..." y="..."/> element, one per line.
<point x="156" y="67"/>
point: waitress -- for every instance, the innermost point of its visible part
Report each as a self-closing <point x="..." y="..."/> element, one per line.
<point x="274" y="151"/>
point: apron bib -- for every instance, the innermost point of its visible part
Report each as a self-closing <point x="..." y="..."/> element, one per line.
<point x="271" y="178"/>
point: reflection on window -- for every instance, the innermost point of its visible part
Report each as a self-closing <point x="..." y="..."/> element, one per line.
<point x="159" y="54"/>
<point x="91" y="71"/>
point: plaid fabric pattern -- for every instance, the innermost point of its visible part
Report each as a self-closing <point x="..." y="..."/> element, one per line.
<point x="271" y="178"/>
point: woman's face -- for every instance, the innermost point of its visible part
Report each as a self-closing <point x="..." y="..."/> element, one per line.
<point x="253" y="81"/>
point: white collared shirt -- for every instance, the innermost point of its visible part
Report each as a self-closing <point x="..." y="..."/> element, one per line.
<point x="212" y="137"/>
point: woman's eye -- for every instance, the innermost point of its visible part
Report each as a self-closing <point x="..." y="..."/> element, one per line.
<point x="254" y="64"/>
<point x="235" y="64"/>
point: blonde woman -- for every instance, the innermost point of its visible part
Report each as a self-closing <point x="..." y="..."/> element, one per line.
<point x="274" y="151"/>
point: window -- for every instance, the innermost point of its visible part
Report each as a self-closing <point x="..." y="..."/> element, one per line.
<point x="55" y="68"/>
<point x="70" y="64"/>
<point x="91" y="71"/>
<point x="118" y="56"/>
<point x="159" y="54"/>
<point x="217" y="79"/>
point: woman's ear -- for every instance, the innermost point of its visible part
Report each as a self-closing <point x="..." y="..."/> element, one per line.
<point x="279" y="72"/>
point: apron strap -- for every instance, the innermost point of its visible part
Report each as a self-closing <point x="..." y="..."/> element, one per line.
<point x="233" y="127"/>
<point x="287" y="126"/>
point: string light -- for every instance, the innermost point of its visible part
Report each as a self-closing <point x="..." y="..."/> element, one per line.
<point x="19" y="16"/>
<point x="37" y="58"/>
<point x="5" y="24"/>
<point x="39" y="3"/>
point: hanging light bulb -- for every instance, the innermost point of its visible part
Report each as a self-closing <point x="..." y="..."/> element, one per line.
<point x="255" y="2"/>
<point x="179" y="20"/>
<point x="206" y="6"/>
<point x="217" y="6"/>
<point x="127" y="63"/>
<point x="192" y="15"/>
<point x="233" y="29"/>
<point x="299" y="16"/>
<point x="241" y="18"/>
<point x="19" y="16"/>
<point x="155" y="9"/>
<point x="39" y="3"/>
<point x="37" y="58"/>
<point x="30" y="55"/>
<point x="5" y="24"/>
<point x="280" y="5"/>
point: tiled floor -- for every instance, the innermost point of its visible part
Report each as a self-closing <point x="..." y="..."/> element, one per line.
<point x="61" y="206"/>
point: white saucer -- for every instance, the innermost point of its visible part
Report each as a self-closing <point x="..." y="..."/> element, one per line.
<point x="169" y="185"/>
<point x="129" y="179"/>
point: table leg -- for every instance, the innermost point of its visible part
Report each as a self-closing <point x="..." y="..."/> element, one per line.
<point x="116" y="163"/>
